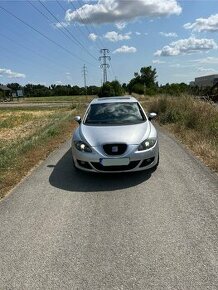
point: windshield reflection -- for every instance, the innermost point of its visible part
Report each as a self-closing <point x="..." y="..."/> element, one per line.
<point x="115" y="114"/>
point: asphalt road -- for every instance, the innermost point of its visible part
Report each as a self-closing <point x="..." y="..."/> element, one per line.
<point x="60" y="229"/>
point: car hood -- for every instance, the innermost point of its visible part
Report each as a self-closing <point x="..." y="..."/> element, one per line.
<point x="129" y="134"/>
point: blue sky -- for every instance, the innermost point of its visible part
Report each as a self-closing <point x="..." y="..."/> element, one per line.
<point x="48" y="42"/>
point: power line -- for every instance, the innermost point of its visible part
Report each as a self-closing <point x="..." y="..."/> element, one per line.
<point x="104" y="65"/>
<point x="93" y="28"/>
<point x="44" y="15"/>
<point x="42" y="34"/>
<point x="33" y="51"/>
<point x="76" y="41"/>
<point x="65" y="12"/>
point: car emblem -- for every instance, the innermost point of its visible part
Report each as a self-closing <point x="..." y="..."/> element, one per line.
<point x="114" y="149"/>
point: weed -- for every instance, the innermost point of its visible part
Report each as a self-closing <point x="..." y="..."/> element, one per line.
<point x="190" y="117"/>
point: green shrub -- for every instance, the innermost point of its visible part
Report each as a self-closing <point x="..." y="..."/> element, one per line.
<point x="138" y="89"/>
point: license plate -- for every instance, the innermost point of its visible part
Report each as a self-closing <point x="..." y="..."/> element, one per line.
<point x="114" y="161"/>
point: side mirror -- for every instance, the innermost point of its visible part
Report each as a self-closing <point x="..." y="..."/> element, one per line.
<point x="151" y="116"/>
<point x="77" y="119"/>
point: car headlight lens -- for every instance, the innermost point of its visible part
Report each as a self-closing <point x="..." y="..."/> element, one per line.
<point x="82" y="146"/>
<point x="147" y="144"/>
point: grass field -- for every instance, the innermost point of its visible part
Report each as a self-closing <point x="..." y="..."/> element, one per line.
<point x="28" y="135"/>
<point x="56" y="99"/>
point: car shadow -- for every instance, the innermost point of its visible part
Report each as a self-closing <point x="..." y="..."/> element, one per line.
<point x="66" y="177"/>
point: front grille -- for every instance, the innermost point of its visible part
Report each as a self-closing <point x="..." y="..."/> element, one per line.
<point x="131" y="165"/>
<point x="114" y="149"/>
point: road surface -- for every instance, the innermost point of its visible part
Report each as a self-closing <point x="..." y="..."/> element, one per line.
<point x="61" y="229"/>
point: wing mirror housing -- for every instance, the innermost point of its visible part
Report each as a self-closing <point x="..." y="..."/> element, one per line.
<point x="78" y="119"/>
<point x="152" y="116"/>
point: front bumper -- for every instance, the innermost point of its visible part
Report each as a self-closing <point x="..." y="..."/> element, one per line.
<point x="138" y="160"/>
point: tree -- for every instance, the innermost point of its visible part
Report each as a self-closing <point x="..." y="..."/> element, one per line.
<point x="175" y="89"/>
<point x="124" y="87"/>
<point x="14" y="86"/>
<point x="118" y="90"/>
<point x="106" y="91"/>
<point x="138" y="89"/>
<point x="93" y="90"/>
<point x="110" y="89"/>
<point x="146" y="78"/>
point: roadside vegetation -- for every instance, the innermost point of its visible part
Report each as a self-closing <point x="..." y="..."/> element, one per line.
<point x="28" y="136"/>
<point x="193" y="121"/>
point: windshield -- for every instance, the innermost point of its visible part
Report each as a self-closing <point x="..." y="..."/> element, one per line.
<point x="115" y="114"/>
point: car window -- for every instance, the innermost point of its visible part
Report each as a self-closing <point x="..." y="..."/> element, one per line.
<point x="115" y="114"/>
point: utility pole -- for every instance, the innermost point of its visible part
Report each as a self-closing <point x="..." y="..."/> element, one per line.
<point x="84" y="71"/>
<point x="104" y="65"/>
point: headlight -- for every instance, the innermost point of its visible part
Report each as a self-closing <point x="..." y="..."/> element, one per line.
<point x="147" y="144"/>
<point x="81" y="146"/>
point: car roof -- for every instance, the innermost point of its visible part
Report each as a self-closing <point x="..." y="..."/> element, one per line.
<point x="117" y="99"/>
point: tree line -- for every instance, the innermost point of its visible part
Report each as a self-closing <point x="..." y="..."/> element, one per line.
<point x="143" y="82"/>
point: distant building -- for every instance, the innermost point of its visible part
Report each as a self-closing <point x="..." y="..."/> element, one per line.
<point x="4" y="88"/>
<point x="206" y="81"/>
<point x="5" y="93"/>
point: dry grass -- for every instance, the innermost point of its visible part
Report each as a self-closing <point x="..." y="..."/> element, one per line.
<point x="28" y="136"/>
<point x="194" y="122"/>
<point x="56" y="99"/>
<point x="29" y="159"/>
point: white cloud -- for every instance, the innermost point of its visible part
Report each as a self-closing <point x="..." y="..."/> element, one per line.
<point x="202" y="69"/>
<point x="125" y="49"/>
<point x="120" y="25"/>
<point x="11" y="74"/>
<point x="110" y="11"/>
<point x="93" y="36"/>
<point x="207" y="60"/>
<point x="186" y="46"/>
<point x="204" y="24"/>
<point x="169" y="34"/>
<point x="157" y="61"/>
<point x="114" y="36"/>
<point x="138" y="33"/>
<point x="62" y="24"/>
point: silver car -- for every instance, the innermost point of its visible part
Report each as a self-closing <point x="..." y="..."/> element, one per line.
<point x="115" y="135"/>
